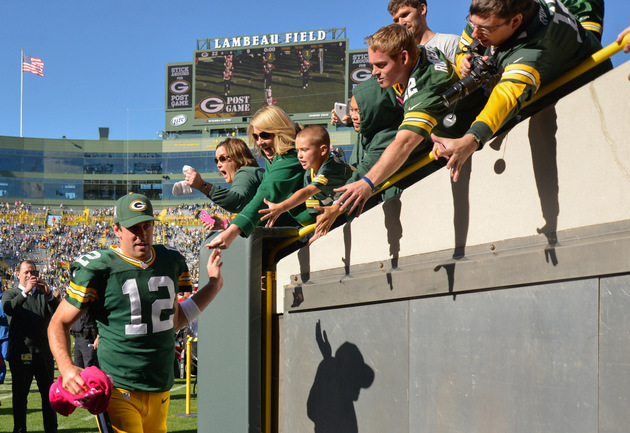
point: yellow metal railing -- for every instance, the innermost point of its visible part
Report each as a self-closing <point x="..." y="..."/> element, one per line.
<point x="189" y="342"/>
<point x="269" y="292"/>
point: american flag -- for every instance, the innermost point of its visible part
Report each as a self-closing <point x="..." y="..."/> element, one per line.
<point x="32" y="64"/>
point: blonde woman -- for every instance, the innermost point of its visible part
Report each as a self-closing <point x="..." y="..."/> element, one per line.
<point x="273" y="133"/>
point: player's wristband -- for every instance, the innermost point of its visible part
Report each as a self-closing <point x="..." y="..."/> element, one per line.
<point x="368" y="181"/>
<point x="190" y="309"/>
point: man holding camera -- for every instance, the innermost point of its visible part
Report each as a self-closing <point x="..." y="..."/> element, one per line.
<point x="29" y="308"/>
<point x="532" y="42"/>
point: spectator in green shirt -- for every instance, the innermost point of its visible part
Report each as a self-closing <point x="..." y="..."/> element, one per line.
<point x="274" y="135"/>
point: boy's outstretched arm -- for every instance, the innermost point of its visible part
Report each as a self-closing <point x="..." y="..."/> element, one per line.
<point x="277" y="209"/>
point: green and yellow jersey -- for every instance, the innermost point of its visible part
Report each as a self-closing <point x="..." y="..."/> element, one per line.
<point x="134" y="305"/>
<point x="547" y="46"/>
<point x="422" y="105"/>
<point x="332" y="174"/>
<point x="423" y="108"/>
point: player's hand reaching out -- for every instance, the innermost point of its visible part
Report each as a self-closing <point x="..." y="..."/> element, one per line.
<point x="214" y="265"/>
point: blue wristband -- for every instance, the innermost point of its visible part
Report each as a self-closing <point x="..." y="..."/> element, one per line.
<point x="368" y="181"/>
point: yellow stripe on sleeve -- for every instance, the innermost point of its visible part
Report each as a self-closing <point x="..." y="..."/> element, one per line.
<point x="592" y="26"/>
<point x="185" y="280"/>
<point x="81" y="294"/>
<point x="464" y="42"/>
<point x="502" y="100"/>
<point x="523" y="73"/>
<point x="323" y="180"/>
<point x="420" y="120"/>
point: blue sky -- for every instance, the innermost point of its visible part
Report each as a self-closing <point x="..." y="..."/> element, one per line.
<point x="105" y="61"/>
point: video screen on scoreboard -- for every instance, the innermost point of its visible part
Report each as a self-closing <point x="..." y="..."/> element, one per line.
<point x="298" y="78"/>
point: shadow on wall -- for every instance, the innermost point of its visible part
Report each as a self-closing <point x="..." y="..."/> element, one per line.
<point x="336" y="387"/>
<point x="542" y="139"/>
<point x="543" y="143"/>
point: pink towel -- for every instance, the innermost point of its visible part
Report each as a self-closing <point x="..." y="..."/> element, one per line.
<point x="95" y="399"/>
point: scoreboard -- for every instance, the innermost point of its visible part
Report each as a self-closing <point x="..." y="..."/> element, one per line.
<point x="298" y="78"/>
<point x="229" y="79"/>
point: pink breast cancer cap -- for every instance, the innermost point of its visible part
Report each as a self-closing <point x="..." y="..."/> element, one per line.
<point x="95" y="399"/>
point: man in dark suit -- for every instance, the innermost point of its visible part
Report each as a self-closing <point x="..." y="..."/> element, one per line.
<point x="29" y="308"/>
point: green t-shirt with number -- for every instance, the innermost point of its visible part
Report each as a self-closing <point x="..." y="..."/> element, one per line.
<point x="332" y="174"/>
<point x="424" y="110"/>
<point x="134" y="305"/>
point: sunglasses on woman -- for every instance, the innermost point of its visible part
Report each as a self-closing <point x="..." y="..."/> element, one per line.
<point x="221" y="159"/>
<point x="262" y="135"/>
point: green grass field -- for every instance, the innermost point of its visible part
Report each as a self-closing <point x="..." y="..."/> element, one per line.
<point x="81" y="421"/>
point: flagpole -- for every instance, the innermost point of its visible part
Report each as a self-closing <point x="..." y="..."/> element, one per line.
<point x="21" y="87"/>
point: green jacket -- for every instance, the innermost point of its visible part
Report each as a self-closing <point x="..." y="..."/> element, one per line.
<point x="244" y="187"/>
<point x="284" y="176"/>
<point x="381" y="114"/>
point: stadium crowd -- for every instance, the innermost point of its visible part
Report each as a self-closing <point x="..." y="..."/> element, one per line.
<point x="55" y="247"/>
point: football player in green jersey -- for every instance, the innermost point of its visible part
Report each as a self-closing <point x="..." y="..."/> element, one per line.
<point x="131" y="291"/>
<point x="532" y="42"/>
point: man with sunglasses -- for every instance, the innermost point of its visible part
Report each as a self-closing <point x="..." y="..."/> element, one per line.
<point x="532" y="42"/>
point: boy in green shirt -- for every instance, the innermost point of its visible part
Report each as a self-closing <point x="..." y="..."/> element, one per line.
<point x="324" y="173"/>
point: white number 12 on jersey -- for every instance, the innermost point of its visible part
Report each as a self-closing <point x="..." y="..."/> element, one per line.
<point x="137" y="327"/>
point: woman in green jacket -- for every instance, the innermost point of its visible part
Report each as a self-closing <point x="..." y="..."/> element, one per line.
<point x="274" y="135"/>
<point x="238" y="166"/>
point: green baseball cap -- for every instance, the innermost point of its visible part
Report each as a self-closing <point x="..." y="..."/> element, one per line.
<point x="132" y="209"/>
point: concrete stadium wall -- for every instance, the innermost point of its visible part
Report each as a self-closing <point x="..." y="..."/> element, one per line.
<point x="548" y="358"/>
<point x="495" y="304"/>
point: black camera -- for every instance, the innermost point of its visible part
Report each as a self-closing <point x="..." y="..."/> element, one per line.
<point x="482" y="74"/>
